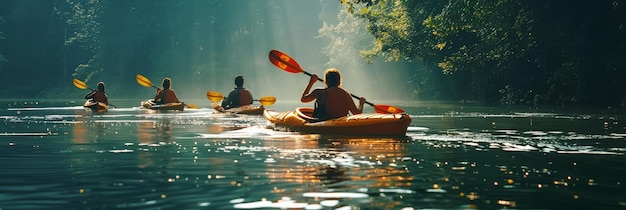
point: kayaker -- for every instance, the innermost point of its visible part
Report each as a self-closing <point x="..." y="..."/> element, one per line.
<point x="333" y="101"/>
<point x="165" y="94"/>
<point x="98" y="95"/>
<point x="237" y="97"/>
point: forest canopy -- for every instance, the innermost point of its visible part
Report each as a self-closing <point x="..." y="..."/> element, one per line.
<point x="511" y="51"/>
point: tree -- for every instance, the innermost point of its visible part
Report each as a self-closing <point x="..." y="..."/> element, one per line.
<point x="506" y="50"/>
<point x="84" y="17"/>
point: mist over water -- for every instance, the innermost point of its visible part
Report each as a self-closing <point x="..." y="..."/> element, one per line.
<point x="200" y="44"/>
<point x="240" y="45"/>
<point x="251" y="32"/>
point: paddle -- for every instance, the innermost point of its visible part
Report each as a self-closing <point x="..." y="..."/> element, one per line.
<point x="288" y="64"/>
<point x="216" y="97"/>
<point x="81" y="85"/>
<point x="143" y="81"/>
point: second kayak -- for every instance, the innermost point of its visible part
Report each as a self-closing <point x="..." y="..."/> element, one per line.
<point x="150" y="104"/>
<point x="247" y="110"/>
<point x="373" y="124"/>
<point x="96" y="105"/>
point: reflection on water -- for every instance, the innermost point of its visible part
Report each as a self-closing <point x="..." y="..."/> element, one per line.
<point x="455" y="157"/>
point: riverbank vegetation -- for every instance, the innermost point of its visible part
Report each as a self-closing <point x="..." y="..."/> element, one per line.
<point x="507" y="51"/>
<point x="504" y="51"/>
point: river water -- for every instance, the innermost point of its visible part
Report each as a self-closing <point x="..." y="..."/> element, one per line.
<point x="57" y="155"/>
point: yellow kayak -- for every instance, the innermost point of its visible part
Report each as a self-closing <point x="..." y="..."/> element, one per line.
<point x="247" y="109"/>
<point x="96" y="105"/>
<point x="149" y="104"/>
<point x="373" y="124"/>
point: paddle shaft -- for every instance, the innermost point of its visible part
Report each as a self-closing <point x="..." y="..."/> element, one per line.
<point x="109" y="103"/>
<point x="252" y="100"/>
<point x="321" y="80"/>
<point x="81" y="85"/>
<point x="193" y="106"/>
<point x="146" y="82"/>
<point x="286" y="63"/>
<point x="278" y="61"/>
<point x="158" y="88"/>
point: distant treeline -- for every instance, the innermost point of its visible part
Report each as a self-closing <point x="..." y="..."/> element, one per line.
<point x="201" y="44"/>
<point x="554" y="52"/>
<point x="508" y="51"/>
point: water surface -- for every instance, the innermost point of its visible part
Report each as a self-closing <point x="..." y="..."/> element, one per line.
<point x="55" y="154"/>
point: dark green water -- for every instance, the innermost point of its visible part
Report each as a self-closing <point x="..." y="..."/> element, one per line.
<point x="55" y="155"/>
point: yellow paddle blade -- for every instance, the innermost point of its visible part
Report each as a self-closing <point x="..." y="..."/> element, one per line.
<point x="79" y="84"/>
<point x="214" y="96"/>
<point x="143" y="81"/>
<point x="267" y="100"/>
<point x="192" y="106"/>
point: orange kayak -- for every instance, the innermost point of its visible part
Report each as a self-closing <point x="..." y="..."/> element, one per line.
<point x="247" y="110"/>
<point x="96" y="105"/>
<point x="149" y="104"/>
<point x="373" y="124"/>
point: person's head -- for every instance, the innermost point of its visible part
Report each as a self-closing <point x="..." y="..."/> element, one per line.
<point x="167" y="83"/>
<point x="101" y="86"/>
<point x="239" y="81"/>
<point x="332" y="77"/>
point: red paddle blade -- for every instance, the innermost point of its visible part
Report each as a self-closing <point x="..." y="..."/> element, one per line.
<point x="386" y="109"/>
<point x="284" y="62"/>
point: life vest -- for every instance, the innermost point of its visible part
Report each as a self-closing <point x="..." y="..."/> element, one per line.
<point x="98" y="96"/>
<point x="245" y="98"/>
<point x="319" y="111"/>
<point x="166" y="96"/>
<point x="236" y="98"/>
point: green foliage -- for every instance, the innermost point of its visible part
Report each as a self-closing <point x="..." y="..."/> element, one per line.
<point x="84" y="17"/>
<point x="2" y="58"/>
<point x="506" y="46"/>
<point x="199" y="43"/>
<point x="390" y="24"/>
<point x="344" y="36"/>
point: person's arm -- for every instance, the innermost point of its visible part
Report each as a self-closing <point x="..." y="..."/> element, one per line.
<point x="361" y="103"/>
<point x="249" y="98"/>
<point x="353" y="109"/>
<point x="176" y="100"/>
<point x="90" y="95"/>
<point x="226" y="102"/>
<point x="157" y="96"/>
<point x="306" y="96"/>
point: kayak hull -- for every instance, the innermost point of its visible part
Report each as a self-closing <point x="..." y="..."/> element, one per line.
<point x="96" y="106"/>
<point x="247" y="110"/>
<point x="149" y="104"/>
<point x="373" y="124"/>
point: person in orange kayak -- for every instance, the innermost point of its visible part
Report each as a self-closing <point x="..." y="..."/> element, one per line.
<point x="166" y="94"/>
<point x="333" y="101"/>
<point x="237" y="97"/>
<point x="98" y="95"/>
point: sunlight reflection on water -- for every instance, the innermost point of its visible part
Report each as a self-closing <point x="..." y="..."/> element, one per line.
<point x="133" y="158"/>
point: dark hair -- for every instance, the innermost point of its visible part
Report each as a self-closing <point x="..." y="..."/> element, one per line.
<point x="239" y="81"/>
<point x="167" y="83"/>
<point x="101" y="86"/>
<point x="332" y="77"/>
